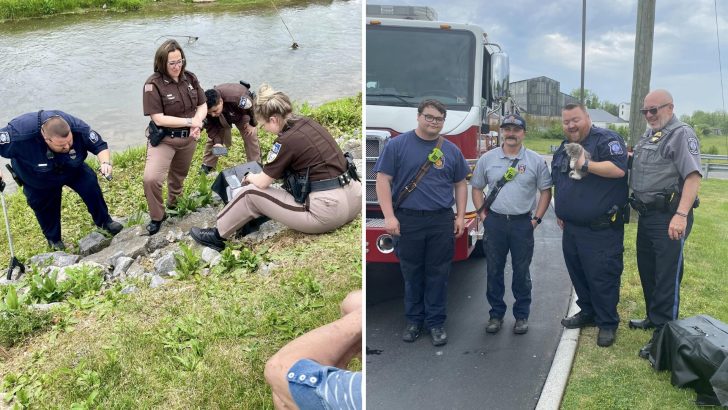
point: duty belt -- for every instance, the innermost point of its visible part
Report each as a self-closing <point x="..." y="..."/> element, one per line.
<point x="332" y="183"/>
<point x="176" y="132"/>
<point x="510" y="217"/>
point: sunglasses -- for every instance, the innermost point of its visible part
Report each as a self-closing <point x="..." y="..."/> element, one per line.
<point x="653" y="110"/>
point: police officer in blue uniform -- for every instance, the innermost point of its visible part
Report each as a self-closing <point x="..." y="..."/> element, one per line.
<point x="423" y="225"/>
<point x="665" y="179"/>
<point x="47" y="150"/>
<point x="589" y="211"/>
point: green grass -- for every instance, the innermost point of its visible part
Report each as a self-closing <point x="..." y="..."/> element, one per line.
<point x="23" y="9"/>
<point x="540" y="145"/>
<point x="198" y="342"/>
<point x="616" y="378"/>
<point x="716" y="144"/>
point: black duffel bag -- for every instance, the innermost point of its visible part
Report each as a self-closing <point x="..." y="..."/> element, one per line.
<point x="696" y="351"/>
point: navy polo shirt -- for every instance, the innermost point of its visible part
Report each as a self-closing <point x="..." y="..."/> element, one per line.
<point x="32" y="159"/>
<point x="402" y="158"/>
<point x="582" y="201"/>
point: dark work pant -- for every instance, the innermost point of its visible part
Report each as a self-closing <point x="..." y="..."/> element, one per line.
<point x="516" y="236"/>
<point x="660" y="262"/>
<point x="595" y="264"/>
<point x="425" y="250"/>
<point x="46" y="202"/>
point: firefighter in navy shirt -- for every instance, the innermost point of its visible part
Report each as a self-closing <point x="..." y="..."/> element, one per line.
<point x="47" y="151"/>
<point x="423" y="226"/>
<point x="589" y="211"/>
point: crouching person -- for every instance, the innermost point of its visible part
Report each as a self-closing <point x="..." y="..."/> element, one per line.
<point x="308" y="373"/>
<point x="322" y="190"/>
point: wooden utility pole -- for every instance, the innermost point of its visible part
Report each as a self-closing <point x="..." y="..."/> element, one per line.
<point x="642" y="68"/>
<point x="583" y="49"/>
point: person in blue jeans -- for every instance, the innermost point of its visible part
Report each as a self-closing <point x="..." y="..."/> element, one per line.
<point x="310" y="373"/>
<point x="423" y="225"/>
<point x="508" y="221"/>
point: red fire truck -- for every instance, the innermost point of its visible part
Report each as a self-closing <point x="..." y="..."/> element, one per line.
<point x="411" y="57"/>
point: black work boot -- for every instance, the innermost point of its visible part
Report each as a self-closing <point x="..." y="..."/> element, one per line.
<point x="411" y="332"/>
<point x="112" y="227"/>
<point x="578" y="321"/>
<point x="521" y="326"/>
<point x="606" y="337"/>
<point x="56" y="245"/>
<point x="494" y="325"/>
<point x="438" y="335"/>
<point x="645" y="350"/>
<point x="208" y="237"/>
<point x="643" y="324"/>
<point x="205" y="169"/>
<point x="154" y="226"/>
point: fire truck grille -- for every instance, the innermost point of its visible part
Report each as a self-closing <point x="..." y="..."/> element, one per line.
<point x="375" y="223"/>
<point x="371" y="192"/>
<point x="373" y="148"/>
<point x="370" y="168"/>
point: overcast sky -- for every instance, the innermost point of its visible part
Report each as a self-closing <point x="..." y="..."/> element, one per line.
<point x="543" y="37"/>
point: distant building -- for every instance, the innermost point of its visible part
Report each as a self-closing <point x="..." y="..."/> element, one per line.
<point x="603" y="119"/>
<point x="624" y="111"/>
<point x="540" y="96"/>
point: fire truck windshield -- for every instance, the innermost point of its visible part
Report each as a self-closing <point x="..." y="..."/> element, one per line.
<point x="408" y="64"/>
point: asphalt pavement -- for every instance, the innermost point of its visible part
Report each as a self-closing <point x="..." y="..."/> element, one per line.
<point x="474" y="370"/>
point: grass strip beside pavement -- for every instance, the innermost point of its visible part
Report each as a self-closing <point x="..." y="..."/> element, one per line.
<point x="615" y="377"/>
<point x="23" y="9"/>
<point x="197" y="342"/>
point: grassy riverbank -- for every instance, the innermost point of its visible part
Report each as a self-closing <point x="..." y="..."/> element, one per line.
<point x="615" y="377"/>
<point x="21" y="9"/>
<point x="200" y="342"/>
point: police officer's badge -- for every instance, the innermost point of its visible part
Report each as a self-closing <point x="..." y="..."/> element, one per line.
<point x="245" y="102"/>
<point x="4" y="137"/>
<point x="656" y="137"/>
<point x="274" y="152"/>
<point x="521" y="168"/>
<point x="693" y="145"/>
<point x="615" y="148"/>
<point x="93" y="137"/>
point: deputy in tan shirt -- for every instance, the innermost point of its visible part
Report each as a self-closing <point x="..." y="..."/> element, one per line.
<point x="175" y="101"/>
<point x="303" y="147"/>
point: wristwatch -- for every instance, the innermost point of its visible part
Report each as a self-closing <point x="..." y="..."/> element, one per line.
<point x="537" y="219"/>
<point x="585" y="166"/>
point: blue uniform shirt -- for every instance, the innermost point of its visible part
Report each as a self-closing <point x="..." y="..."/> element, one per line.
<point x="32" y="159"/>
<point x="402" y="158"/>
<point x="582" y="201"/>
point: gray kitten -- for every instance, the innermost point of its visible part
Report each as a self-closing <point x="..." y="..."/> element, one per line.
<point x="574" y="150"/>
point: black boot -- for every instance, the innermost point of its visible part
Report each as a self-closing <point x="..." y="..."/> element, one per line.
<point x="155" y="226"/>
<point x="56" y="245"/>
<point x="112" y="227"/>
<point x="208" y="237"/>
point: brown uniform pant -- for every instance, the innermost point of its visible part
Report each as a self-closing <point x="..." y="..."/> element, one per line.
<point x="170" y="159"/>
<point x="224" y="134"/>
<point x="327" y="210"/>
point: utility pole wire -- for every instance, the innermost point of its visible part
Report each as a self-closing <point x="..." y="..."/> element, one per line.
<point x="720" y="64"/>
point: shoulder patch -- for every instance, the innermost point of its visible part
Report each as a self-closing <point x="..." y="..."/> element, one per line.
<point x="615" y="148"/>
<point x="4" y="137"/>
<point x="274" y="152"/>
<point x="245" y="102"/>
<point x="693" y="145"/>
<point x="93" y="137"/>
<point x="148" y="88"/>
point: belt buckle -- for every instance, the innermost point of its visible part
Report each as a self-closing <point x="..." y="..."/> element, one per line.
<point x="183" y="134"/>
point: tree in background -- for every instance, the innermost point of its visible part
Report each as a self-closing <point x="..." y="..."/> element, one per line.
<point x="591" y="100"/>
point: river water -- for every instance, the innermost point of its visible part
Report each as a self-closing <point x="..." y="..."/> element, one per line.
<point x="94" y="66"/>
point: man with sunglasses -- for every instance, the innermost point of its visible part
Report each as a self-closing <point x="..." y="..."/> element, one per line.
<point x="589" y="211"/>
<point x="47" y="151"/>
<point x="511" y="218"/>
<point x="423" y="225"/>
<point x="665" y="179"/>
